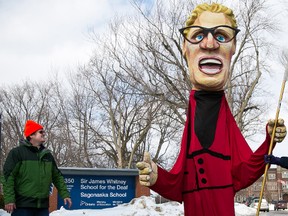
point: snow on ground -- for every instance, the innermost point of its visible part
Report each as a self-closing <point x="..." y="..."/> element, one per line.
<point x="143" y="206"/>
<point x="243" y="210"/>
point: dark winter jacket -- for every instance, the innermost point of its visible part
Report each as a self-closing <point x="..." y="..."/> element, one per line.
<point x="283" y="162"/>
<point x="28" y="174"/>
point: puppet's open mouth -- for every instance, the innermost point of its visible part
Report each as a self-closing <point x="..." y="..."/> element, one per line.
<point x="210" y="65"/>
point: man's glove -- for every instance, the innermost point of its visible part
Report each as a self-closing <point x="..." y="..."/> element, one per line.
<point x="280" y="131"/>
<point x="271" y="159"/>
<point x="147" y="171"/>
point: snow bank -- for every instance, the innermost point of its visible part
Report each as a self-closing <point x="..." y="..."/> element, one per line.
<point x="243" y="210"/>
<point x="143" y="206"/>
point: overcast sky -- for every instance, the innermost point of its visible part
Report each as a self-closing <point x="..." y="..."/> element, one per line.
<point x="40" y="37"/>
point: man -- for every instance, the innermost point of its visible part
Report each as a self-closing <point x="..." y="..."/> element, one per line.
<point x="29" y="171"/>
<point x="215" y="161"/>
<point x="280" y="161"/>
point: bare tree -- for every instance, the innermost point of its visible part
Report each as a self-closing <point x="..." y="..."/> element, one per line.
<point x="249" y="64"/>
<point x="20" y="103"/>
<point x="124" y="116"/>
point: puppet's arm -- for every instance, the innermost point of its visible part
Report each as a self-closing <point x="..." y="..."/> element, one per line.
<point x="247" y="166"/>
<point x="167" y="184"/>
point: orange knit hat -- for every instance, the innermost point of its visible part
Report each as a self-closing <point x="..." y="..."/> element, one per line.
<point x="31" y="127"/>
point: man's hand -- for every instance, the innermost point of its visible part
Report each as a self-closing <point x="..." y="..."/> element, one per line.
<point x="271" y="159"/>
<point x="147" y="171"/>
<point x="280" y="131"/>
<point x="68" y="201"/>
<point x="10" y="207"/>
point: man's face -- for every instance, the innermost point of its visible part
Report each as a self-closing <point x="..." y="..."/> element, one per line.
<point x="38" y="137"/>
<point x="209" y="60"/>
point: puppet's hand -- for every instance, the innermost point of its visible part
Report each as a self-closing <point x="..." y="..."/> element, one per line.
<point x="147" y="171"/>
<point x="280" y="131"/>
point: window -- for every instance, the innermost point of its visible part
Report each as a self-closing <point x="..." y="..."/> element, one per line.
<point x="271" y="176"/>
<point x="272" y="185"/>
<point x="284" y="174"/>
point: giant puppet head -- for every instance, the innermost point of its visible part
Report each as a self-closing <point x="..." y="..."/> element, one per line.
<point x="209" y="45"/>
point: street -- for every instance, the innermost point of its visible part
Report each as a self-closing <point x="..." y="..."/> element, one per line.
<point x="274" y="213"/>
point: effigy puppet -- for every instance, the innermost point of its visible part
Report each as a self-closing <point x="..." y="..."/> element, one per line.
<point x="215" y="161"/>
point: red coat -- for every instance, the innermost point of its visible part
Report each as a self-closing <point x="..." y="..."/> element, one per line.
<point x="209" y="172"/>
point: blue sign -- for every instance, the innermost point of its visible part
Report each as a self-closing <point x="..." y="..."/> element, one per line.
<point x="97" y="192"/>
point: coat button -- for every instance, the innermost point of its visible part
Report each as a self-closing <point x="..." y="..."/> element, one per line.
<point x="200" y="161"/>
<point x="203" y="180"/>
<point x="201" y="171"/>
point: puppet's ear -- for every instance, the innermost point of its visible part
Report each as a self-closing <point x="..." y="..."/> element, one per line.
<point x="234" y="48"/>
<point x="184" y="49"/>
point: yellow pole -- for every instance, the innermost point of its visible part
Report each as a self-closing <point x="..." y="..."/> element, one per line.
<point x="271" y="142"/>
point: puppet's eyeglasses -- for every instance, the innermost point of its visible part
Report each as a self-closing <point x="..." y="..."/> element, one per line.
<point x="221" y="33"/>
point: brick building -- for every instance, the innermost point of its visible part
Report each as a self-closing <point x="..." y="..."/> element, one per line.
<point x="276" y="187"/>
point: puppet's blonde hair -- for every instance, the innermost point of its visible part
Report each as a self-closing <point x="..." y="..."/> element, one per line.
<point x="215" y="8"/>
